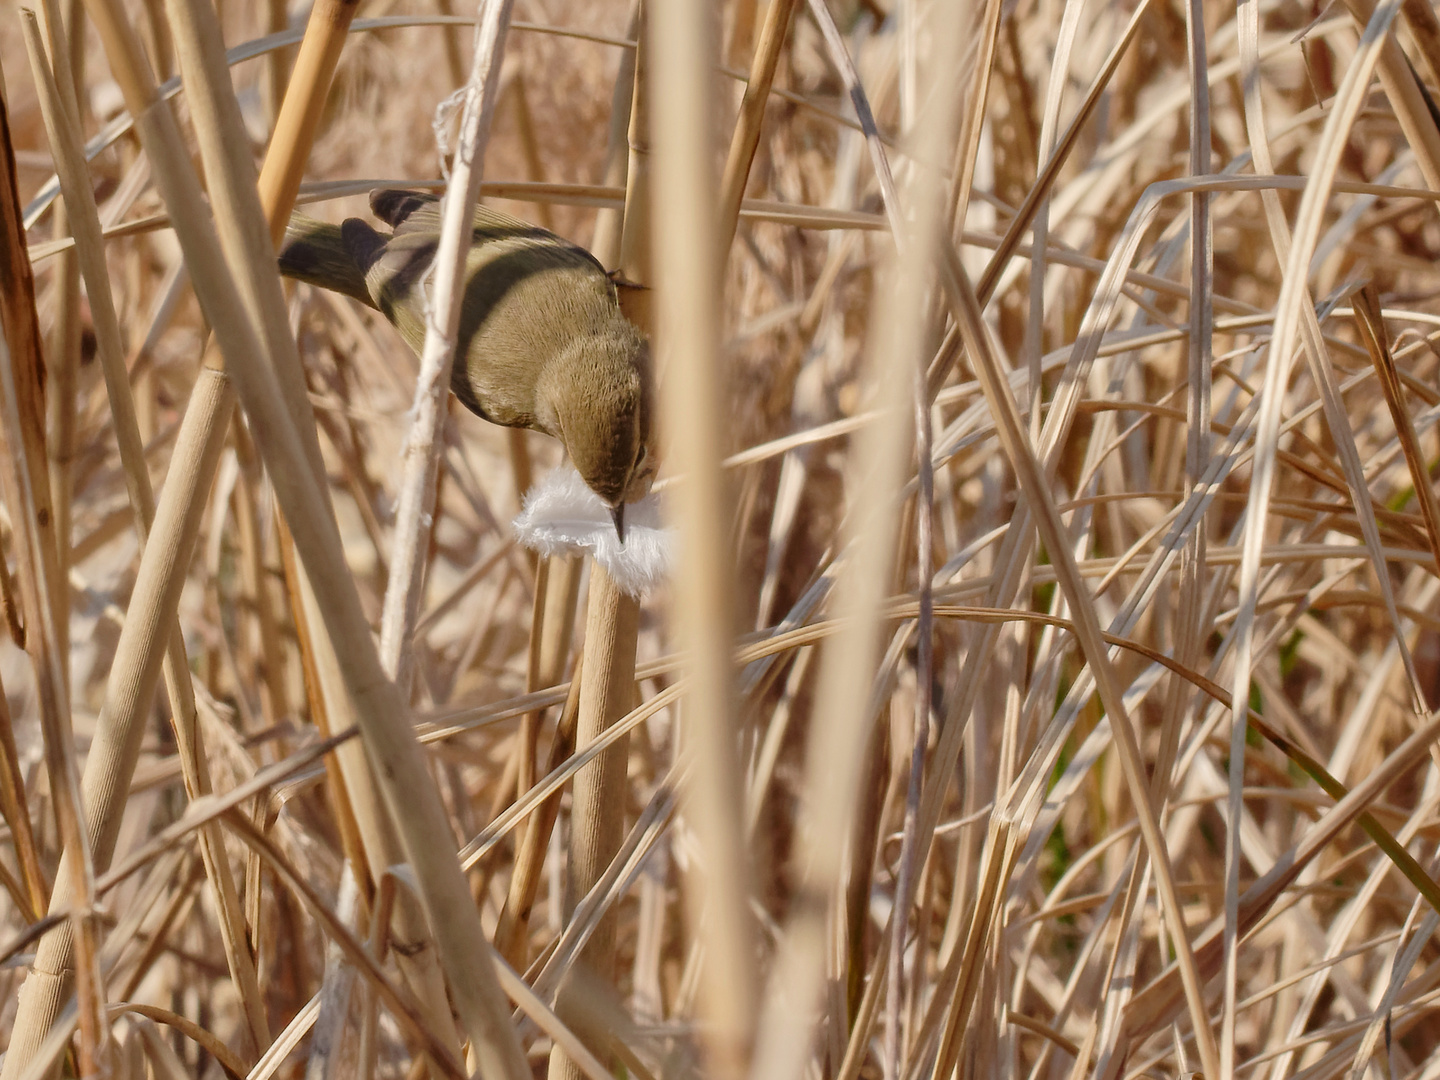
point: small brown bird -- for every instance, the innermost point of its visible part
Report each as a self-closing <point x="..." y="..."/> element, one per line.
<point x="542" y="342"/>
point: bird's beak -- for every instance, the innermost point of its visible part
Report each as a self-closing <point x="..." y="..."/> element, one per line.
<point x="617" y="513"/>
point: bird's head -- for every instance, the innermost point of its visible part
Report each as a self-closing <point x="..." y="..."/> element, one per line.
<point x="599" y="393"/>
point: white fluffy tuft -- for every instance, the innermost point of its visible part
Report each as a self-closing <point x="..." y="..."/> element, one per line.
<point x="562" y="516"/>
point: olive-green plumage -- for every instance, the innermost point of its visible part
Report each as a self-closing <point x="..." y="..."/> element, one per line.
<point x="542" y="342"/>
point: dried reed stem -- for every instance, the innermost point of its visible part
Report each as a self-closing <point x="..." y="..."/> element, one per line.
<point x="416" y="499"/>
<point x="597" y="815"/>
<point x="610" y="221"/>
<point x="687" y="246"/>
<point x="612" y="620"/>
<point x="750" y="122"/>
<point x="62" y="361"/>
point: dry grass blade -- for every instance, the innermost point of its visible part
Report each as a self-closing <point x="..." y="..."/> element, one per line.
<point x="687" y="244"/>
<point x="1371" y="324"/>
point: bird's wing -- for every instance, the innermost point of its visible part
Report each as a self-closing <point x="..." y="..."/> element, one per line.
<point x="394" y="267"/>
<point x="419" y="211"/>
<point x="315" y="251"/>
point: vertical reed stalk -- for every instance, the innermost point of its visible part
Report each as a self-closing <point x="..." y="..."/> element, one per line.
<point x="609" y="222"/>
<point x="62" y="363"/>
<point x="63" y="355"/>
<point x="277" y="63"/>
<point x="415" y="502"/>
<point x="612" y="617"/>
<point x="597" y="814"/>
<point x="62" y="360"/>
<point x="687" y="250"/>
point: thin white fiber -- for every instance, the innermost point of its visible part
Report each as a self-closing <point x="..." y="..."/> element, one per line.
<point x="563" y="516"/>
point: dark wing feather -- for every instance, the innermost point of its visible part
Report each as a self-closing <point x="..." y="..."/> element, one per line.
<point x="419" y="211"/>
<point x="316" y="252"/>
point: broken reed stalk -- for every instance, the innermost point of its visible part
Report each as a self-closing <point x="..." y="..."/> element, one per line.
<point x="689" y="243"/>
<point x="612" y="619"/>
<point x="751" y="121"/>
<point x="415" y="501"/>
<point x="62" y="125"/>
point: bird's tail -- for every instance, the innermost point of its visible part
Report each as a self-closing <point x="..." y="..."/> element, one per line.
<point x="315" y="252"/>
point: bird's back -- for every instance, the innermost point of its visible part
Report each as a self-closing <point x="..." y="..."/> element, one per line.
<point x="528" y="295"/>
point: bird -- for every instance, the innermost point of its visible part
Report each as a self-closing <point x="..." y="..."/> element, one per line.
<point x="542" y="342"/>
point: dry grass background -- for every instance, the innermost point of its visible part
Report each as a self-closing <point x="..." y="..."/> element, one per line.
<point x="1229" y="434"/>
